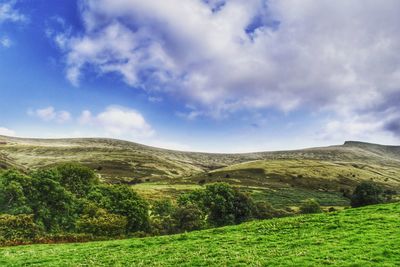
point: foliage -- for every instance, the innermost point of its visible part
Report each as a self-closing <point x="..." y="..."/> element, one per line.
<point x="53" y="206"/>
<point x="56" y="200"/>
<point x="188" y="218"/>
<point x="102" y="224"/>
<point x="367" y="193"/>
<point x="310" y="206"/>
<point x="16" y="229"/>
<point x="222" y="203"/>
<point x="122" y="200"/>
<point x="163" y="207"/>
<point x="42" y="195"/>
<point x="14" y="188"/>
<point x="76" y="178"/>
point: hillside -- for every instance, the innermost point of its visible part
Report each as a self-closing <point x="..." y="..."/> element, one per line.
<point x="367" y="236"/>
<point x="284" y="177"/>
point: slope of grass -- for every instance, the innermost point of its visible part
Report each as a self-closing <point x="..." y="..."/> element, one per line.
<point x="367" y="236"/>
<point x="302" y="171"/>
<point x="283" y="177"/>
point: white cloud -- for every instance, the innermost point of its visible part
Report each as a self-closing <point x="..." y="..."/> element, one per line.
<point x="6" y="131"/>
<point x="222" y="56"/>
<point x="9" y="13"/>
<point x="50" y="114"/>
<point x="369" y="127"/>
<point x="5" y="42"/>
<point x="118" y="121"/>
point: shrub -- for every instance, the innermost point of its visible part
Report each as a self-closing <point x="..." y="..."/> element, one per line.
<point x="17" y="229"/>
<point x="14" y="189"/>
<point x="162" y="221"/>
<point x="244" y="207"/>
<point x="163" y="207"/>
<point x="122" y="200"/>
<point x="188" y="218"/>
<point x="76" y="178"/>
<point x="102" y="224"/>
<point x="310" y="206"/>
<point x="367" y="193"/>
<point x="332" y="209"/>
<point x="53" y="206"/>
<point x="223" y="204"/>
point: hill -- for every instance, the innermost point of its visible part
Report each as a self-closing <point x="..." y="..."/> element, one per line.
<point x="367" y="236"/>
<point x="283" y="177"/>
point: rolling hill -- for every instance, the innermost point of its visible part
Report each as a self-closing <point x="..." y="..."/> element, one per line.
<point x="282" y="177"/>
<point x="367" y="236"/>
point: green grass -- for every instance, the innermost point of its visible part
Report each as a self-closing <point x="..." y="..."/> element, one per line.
<point x="289" y="196"/>
<point x="367" y="236"/>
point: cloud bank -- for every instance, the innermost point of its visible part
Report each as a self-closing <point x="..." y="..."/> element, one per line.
<point x="118" y="121"/>
<point x="334" y="57"/>
<point x="50" y="114"/>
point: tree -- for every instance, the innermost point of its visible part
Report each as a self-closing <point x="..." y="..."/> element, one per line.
<point x="163" y="207"/>
<point x="102" y="224"/>
<point x="244" y="207"/>
<point x="53" y="206"/>
<point x="39" y="194"/>
<point x="14" y="187"/>
<point x="122" y="200"/>
<point x="223" y="204"/>
<point x="76" y="178"/>
<point x="188" y="218"/>
<point x="367" y="193"/>
<point x="310" y="206"/>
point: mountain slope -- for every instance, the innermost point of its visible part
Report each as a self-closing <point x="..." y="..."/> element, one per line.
<point x="367" y="236"/>
<point x="325" y="172"/>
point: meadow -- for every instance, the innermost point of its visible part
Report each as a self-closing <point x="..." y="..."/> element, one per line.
<point x="368" y="236"/>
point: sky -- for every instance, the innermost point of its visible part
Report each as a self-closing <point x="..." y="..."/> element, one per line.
<point x="202" y="75"/>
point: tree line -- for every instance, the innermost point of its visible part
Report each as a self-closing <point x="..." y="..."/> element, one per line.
<point x="68" y="203"/>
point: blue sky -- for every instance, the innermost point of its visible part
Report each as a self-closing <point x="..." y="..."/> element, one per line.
<point x="217" y="76"/>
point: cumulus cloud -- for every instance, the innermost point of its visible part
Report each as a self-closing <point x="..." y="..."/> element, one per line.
<point x="50" y="114"/>
<point x="221" y="56"/>
<point x="118" y="121"/>
<point x="6" y="131"/>
<point x="8" y="13"/>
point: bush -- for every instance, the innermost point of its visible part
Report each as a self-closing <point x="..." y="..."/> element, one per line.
<point x="163" y="207"/>
<point x="162" y="221"/>
<point x="122" y="200"/>
<point x="53" y="206"/>
<point x="223" y="204"/>
<point x="41" y="195"/>
<point x="17" y="229"/>
<point x="310" y="206"/>
<point x="76" y="178"/>
<point x="102" y="224"/>
<point x="367" y="193"/>
<point x="188" y="218"/>
<point x="244" y="207"/>
<point x="14" y="191"/>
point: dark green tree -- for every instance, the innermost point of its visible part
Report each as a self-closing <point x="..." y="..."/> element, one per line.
<point x="53" y="206"/>
<point x="367" y="193"/>
<point x="188" y="218"/>
<point x="76" y="178"/>
<point x="14" y="188"/>
<point x="122" y="200"/>
<point x="310" y="206"/>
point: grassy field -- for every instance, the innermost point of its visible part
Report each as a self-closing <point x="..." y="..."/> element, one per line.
<point x="367" y="236"/>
